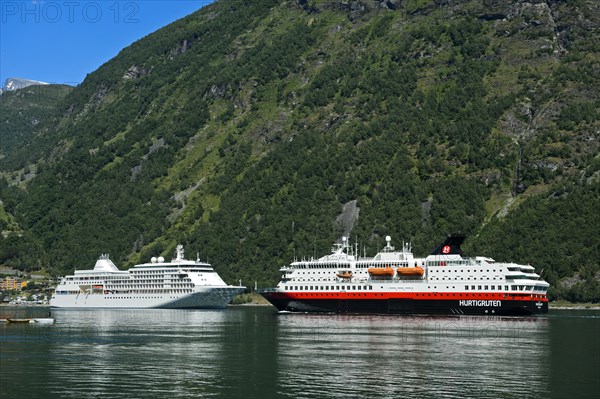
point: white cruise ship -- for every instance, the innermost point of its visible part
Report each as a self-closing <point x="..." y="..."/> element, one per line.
<point x="394" y="281"/>
<point x="178" y="284"/>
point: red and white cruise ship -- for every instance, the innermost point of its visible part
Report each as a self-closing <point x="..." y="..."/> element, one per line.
<point x="394" y="281"/>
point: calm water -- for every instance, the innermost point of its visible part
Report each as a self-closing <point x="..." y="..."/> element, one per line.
<point x="255" y="352"/>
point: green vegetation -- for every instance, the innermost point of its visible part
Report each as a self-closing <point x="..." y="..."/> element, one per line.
<point x="249" y="299"/>
<point x="22" y="112"/>
<point x="241" y="130"/>
<point x="563" y="304"/>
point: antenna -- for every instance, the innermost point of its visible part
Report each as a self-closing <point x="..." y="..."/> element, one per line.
<point x="293" y="241"/>
<point x="179" y="254"/>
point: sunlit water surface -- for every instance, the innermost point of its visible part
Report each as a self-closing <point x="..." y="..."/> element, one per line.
<point x="255" y="352"/>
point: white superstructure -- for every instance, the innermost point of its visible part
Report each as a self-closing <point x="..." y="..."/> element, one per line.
<point x="440" y="273"/>
<point x="394" y="281"/>
<point x="178" y="284"/>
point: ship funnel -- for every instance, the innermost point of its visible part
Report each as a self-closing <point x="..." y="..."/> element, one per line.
<point x="451" y="245"/>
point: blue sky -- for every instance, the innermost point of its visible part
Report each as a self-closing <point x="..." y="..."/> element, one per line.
<point x="63" y="41"/>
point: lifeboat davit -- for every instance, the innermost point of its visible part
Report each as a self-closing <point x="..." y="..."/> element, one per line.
<point x="381" y="271"/>
<point x="344" y="275"/>
<point x="410" y="271"/>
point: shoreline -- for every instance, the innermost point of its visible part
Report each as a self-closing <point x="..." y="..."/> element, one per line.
<point x="249" y="304"/>
<point x="262" y="302"/>
<point x="562" y="305"/>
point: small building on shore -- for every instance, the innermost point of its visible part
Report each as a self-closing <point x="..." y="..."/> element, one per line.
<point x="12" y="283"/>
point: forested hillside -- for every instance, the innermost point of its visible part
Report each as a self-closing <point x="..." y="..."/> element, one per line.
<point x="22" y="111"/>
<point x="245" y="129"/>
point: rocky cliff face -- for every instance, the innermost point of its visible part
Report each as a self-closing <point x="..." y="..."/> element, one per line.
<point x="13" y="84"/>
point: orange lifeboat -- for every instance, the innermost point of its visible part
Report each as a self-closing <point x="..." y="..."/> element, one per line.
<point x="381" y="271"/>
<point x="410" y="271"/>
<point x="344" y="275"/>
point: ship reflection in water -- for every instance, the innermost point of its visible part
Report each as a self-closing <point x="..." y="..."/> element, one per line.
<point x="256" y="352"/>
<point x="381" y="356"/>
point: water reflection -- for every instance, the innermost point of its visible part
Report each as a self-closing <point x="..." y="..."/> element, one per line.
<point x="256" y="352"/>
<point x="382" y="356"/>
<point x="575" y="354"/>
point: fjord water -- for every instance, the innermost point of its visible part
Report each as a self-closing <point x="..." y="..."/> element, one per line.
<point x="255" y="352"/>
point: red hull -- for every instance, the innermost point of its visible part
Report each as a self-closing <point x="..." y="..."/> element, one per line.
<point x="409" y="303"/>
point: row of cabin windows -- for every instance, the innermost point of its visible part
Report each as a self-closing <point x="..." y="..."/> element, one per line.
<point x="326" y="287"/>
<point x="512" y="287"/>
<point x="431" y="270"/>
<point x="324" y="266"/>
<point x="485" y="287"/>
<point x="452" y="262"/>
<point x="449" y="278"/>
<point x="347" y="266"/>
<point x="330" y="272"/>
<point x="382" y="265"/>
<point x="359" y="288"/>
<point x="167" y="273"/>
<point x="92" y="278"/>
<point x="462" y="278"/>
<point x="461" y="270"/>
<point x="333" y="272"/>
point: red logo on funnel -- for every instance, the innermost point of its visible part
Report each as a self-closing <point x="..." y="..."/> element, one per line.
<point x="446" y="249"/>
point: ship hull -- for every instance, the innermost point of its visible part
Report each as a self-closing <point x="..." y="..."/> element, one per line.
<point x="511" y="307"/>
<point x="211" y="298"/>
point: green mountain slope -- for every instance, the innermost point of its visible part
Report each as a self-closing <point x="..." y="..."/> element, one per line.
<point x="242" y="130"/>
<point x="22" y="111"/>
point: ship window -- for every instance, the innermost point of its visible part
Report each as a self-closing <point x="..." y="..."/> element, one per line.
<point x="478" y="287"/>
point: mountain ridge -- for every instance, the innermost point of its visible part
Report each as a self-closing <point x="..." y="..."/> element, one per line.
<point x="12" y="84"/>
